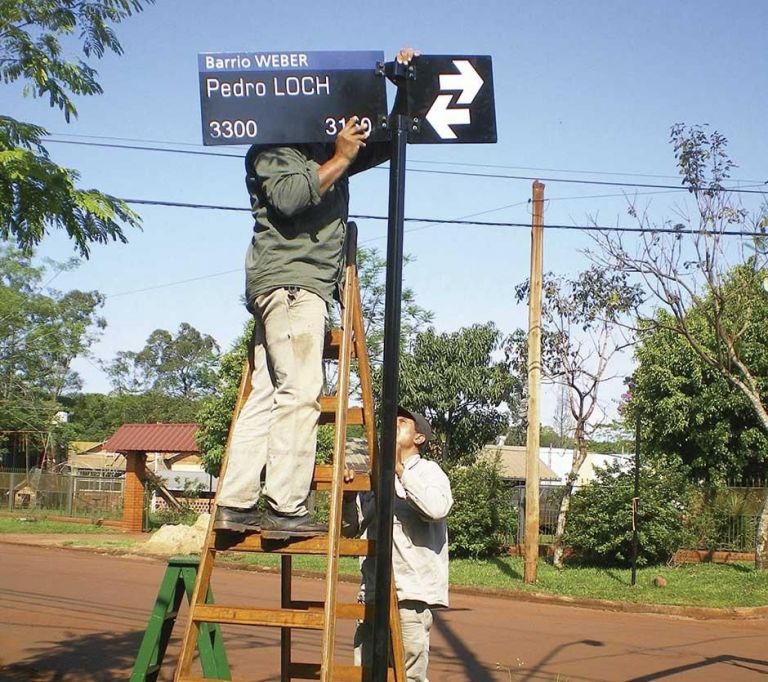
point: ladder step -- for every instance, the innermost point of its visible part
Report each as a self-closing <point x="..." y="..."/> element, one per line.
<point x="237" y="615"/>
<point x="328" y="412"/>
<point x="235" y="542"/>
<point x="348" y="611"/>
<point x="341" y="673"/>
<point x="333" y="345"/>
<point x="323" y="479"/>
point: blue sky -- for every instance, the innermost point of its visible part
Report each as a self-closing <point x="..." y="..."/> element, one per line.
<point x="583" y="90"/>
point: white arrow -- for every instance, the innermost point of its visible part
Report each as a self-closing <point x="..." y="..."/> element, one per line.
<point x="441" y="117"/>
<point x="467" y="80"/>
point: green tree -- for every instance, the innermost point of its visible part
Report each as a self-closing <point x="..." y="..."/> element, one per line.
<point x="454" y="380"/>
<point x="483" y="521"/>
<point x="182" y="365"/>
<point x="371" y="271"/>
<point x="41" y="332"/>
<point x="215" y="414"/>
<point x="600" y="524"/>
<point x="549" y="437"/>
<point x="689" y="268"/>
<point x="35" y="193"/>
<point x="95" y="416"/>
<point x="691" y="411"/>
<point x="583" y="320"/>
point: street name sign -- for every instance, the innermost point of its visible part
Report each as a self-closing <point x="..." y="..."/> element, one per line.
<point x="450" y="100"/>
<point x="289" y="97"/>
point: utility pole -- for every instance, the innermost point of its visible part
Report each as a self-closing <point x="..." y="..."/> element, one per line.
<point x="636" y="501"/>
<point x="534" y="381"/>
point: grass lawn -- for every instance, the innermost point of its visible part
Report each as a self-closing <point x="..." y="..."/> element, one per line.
<point x="33" y="524"/>
<point x="708" y="585"/>
<point x="712" y="585"/>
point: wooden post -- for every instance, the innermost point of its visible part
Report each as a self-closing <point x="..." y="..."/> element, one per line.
<point x="534" y="378"/>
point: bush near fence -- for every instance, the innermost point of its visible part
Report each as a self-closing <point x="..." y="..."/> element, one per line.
<point x="718" y="525"/>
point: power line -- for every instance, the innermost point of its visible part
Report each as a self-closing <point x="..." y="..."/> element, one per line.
<point x="143" y="148"/>
<point x="467" y="164"/>
<point x="501" y="176"/>
<point x="170" y="284"/>
<point x="572" y="181"/>
<point x="449" y="221"/>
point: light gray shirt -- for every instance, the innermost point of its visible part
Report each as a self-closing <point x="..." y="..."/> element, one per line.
<point x="419" y="534"/>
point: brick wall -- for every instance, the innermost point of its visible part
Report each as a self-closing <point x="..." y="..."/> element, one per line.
<point x="133" y="495"/>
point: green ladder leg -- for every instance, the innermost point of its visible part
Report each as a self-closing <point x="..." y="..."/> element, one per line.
<point x="179" y="579"/>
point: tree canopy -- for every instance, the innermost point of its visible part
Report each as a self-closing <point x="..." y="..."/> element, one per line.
<point x="454" y="379"/>
<point x="688" y="408"/>
<point x="181" y="365"/>
<point x="36" y="194"/>
<point x="41" y="332"/>
<point x="95" y="416"/>
<point x="706" y="285"/>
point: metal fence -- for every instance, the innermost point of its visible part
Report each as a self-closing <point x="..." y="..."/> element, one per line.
<point x="550" y="497"/>
<point x="739" y="534"/>
<point x="92" y="494"/>
<point x="735" y="528"/>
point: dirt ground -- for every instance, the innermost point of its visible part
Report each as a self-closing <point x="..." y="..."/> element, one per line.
<point x="72" y="615"/>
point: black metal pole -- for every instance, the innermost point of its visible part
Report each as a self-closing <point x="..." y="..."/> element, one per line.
<point x="636" y="501"/>
<point x="390" y="389"/>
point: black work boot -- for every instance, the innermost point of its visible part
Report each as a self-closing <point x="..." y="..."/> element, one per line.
<point x="277" y="527"/>
<point x="237" y="520"/>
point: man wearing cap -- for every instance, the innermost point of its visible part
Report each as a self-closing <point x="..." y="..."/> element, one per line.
<point x="419" y="543"/>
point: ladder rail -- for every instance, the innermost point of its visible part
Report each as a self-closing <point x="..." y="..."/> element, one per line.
<point x="339" y="460"/>
<point x="208" y="554"/>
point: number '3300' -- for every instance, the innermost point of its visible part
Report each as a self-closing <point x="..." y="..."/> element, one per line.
<point x="233" y="129"/>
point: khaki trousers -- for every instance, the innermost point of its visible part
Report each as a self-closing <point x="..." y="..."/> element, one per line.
<point x="277" y="426"/>
<point x="416" y="622"/>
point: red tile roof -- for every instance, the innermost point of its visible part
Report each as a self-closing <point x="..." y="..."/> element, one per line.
<point x="153" y="438"/>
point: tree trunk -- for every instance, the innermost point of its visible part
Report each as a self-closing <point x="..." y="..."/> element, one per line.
<point x="579" y="455"/>
<point x="761" y="544"/>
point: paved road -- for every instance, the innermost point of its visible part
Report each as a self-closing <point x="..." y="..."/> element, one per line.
<point x="68" y="615"/>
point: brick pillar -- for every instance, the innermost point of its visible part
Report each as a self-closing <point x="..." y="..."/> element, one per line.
<point x="133" y="492"/>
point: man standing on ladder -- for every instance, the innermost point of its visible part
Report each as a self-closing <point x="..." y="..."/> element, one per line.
<point x="419" y="544"/>
<point x="300" y="202"/>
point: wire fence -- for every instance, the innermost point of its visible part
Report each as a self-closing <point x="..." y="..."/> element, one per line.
<point x="95" y="494"/>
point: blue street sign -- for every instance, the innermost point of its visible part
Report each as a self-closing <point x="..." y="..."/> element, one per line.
<point x="289" y="97"/>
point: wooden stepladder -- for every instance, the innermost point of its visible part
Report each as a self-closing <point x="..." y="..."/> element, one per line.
<point x="344" y="345"/>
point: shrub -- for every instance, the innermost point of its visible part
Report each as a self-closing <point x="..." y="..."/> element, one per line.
<point x="599" y="525"/>
<point x="186" y="516"/>
<point x="483" y="521"/>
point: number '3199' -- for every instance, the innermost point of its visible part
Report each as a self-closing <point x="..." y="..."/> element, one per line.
<point x="333" y="126"/>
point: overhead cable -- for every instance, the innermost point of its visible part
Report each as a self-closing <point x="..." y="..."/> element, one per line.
<point x="476" y="223"/>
